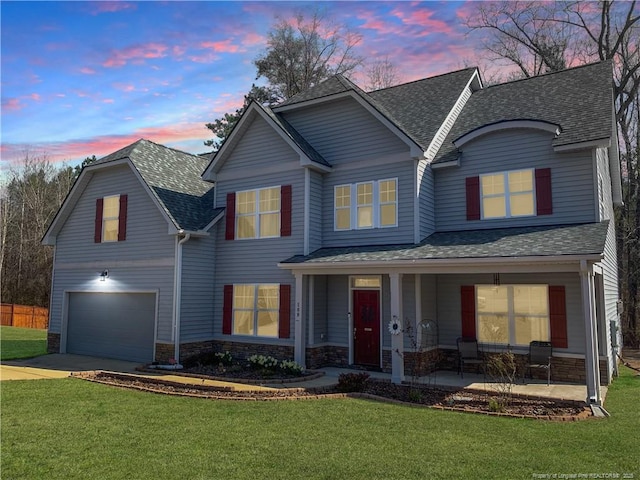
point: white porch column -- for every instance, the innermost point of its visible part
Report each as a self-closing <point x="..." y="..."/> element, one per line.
<point x="299" y="337"/>
<point x="311" y="308"/>
<point x="397" y="341"/>
<point x="591" y="358"/>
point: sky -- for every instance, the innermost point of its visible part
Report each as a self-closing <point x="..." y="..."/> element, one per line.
<point x="88" y="78"/>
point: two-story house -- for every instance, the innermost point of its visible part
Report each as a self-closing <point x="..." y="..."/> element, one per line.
<point x="330" y="227"/>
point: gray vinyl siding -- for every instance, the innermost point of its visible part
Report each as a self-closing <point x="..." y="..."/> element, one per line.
<point x="403" y="233"/>
<point x="344" y="130"/>
<point x="198" y="270"/>
<point x="571" y="178"/>
<point x="427" y="199"/>
<point x="79" y="260"/>
<point x="610" y="261"/>
<point x="449" y="306"/>
<point x="338" y="309"/>
<point x="254" y="261"/>
<point x="315" y="211"/>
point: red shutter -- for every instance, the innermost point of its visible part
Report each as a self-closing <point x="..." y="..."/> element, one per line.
<point x="544" y="204"/>
<point x="122" y="219"/>
<point x="473" y="198"/>
<point x="230" y="226"/>
<point x="285" y="311"/>
<point x="227" y="309"/>
<point x="285" y="211"/>
<point x="97" y="231"/>
<point x="468" y="302"/>
<point x="558" y="316"/>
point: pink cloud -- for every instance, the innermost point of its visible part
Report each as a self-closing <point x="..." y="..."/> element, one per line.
<point x="207" y="57"/>
<point x="135" y="53"/>
<point x="422" y="18"/>
<point x="108" y="100"/>
<point x="35" y="97"/>
<point x="111" y="7"/>
<point x="252" y="38"/>
<point x="12" y="104"/>
<point x="124" y="87"/>
<point x="224" y="46"/>
<point x="87" y="71"/>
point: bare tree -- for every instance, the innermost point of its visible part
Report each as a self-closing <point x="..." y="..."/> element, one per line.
<point x="382" y="74"/>
<point x="306" y="51"/>
<point x="540" y="37"/>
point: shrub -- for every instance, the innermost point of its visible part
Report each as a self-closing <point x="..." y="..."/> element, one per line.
<point x="224" y="358"/>
<point x="352" y="382"/>
<point x="262" y="362"/>
<point x="290" y="367"/>
<point x="209" y="358"/>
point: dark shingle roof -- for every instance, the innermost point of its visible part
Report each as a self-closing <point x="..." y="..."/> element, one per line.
<point x="583" y="239"/>
<point x="331" y="86"/>
<point x="580" y="100"/>
<point x="174" y="178"/>
<point x="420" y="108"/>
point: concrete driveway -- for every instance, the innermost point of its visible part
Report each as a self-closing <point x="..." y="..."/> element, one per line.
<point x="60" y="365"/>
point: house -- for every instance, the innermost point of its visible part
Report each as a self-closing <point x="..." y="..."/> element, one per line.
<point x="327" y="228"/>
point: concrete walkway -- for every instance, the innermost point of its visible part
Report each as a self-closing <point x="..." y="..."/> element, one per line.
<point x="62" y="365"/>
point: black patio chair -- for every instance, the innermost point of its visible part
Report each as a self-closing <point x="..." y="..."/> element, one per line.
<point x="540" y="354"/>
<point x="468" y="354"/>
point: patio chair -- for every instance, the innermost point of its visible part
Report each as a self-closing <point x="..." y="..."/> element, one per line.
<point x="539" y="357"/>
<point x="468" y="354"/>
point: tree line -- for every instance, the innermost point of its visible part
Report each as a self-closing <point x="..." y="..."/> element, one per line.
<point x="534" y="37"/>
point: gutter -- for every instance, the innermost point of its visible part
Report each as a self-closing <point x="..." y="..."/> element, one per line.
<point x="177" y="295"/>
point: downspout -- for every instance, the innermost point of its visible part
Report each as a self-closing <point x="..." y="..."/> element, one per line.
<point x="178" y="295"/>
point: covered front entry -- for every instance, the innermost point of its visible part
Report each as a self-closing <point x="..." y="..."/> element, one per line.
<point x="112" y="325"/>
<point x="366" y="327"/>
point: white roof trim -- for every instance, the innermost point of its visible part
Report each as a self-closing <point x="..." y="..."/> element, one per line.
<point x="80" y="185"/>
<point x="452" y="163"/>
<point x="603" y="142"/>
<point x="438" y="139"/>
<point x="504" y="125"/>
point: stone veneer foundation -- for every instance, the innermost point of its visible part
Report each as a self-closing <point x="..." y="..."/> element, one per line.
<point x="563" y="369"/>
<point x="53" y="342"/>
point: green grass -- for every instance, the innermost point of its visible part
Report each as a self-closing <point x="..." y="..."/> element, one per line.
<point x="74" y="429"/>
<point x="22" y="342"/>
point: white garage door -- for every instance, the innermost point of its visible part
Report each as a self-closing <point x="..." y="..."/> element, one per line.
<point x="112" y="325"/>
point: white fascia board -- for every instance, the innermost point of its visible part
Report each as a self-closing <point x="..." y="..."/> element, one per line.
<point x="307" y="163"/>
<point x="313" y="101"/>
<point x="554" y="263"/>
<point x="603" y="142"/>
<point x="505" y="125"/>
<point x="453" y="163"/>
<point x="433" y="148"/>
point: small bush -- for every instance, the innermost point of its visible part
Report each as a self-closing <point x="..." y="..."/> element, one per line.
<point x="263" y="362"/>
<point x="496" y="405"/>
<point x="290" y="367"/>
<point x="224" y="358"/>
<point x="209" y="358"/>
<point x="352" y="382"/>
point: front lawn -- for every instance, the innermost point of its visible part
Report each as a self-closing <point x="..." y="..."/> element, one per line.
<point x="74" y="429"/>
<point x="18" y="342"/>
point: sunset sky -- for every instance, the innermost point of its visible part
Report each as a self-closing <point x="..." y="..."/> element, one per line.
<point x="87" y="78"/>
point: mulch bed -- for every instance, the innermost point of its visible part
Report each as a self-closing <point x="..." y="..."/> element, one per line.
<point x="247" y="376"/>
<point x="457" y="400"/>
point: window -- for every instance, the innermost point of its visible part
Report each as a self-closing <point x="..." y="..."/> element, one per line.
<point x="366" y="281"/>
<point x="111" y="219"/>
<point x="512" y="314"/>
<point x="375" y="206"/>
<point x="110" y="214"/>
<point x="508" y="194"/>
<point x="258" y="213"/>
<point x="256" y="310"/>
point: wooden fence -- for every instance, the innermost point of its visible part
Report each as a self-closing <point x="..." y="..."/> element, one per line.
<point x="24" y="316"/>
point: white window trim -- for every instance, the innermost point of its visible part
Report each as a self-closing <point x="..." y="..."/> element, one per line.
<point x="105" y="219"/>
<point x="507" y="195"/>
<point x="511" y="316"/>
<point x="353" y="205"/>
<point x="255" y="309"/>
<point x="256" y="213"/>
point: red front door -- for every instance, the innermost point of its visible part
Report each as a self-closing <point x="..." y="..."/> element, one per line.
<point x="366" y="327"/>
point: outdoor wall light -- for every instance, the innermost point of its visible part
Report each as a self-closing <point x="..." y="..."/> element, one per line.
<point x="104" y="275"/>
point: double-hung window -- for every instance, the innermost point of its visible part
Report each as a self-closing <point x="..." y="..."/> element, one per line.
<point x="512" y="314"/>
<point x="364" y="205"/>
<point x="508" y="194"/>
<point x="110" y="218"/>
<point x="256" y="309"/>
<point x="258" y="213"/>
